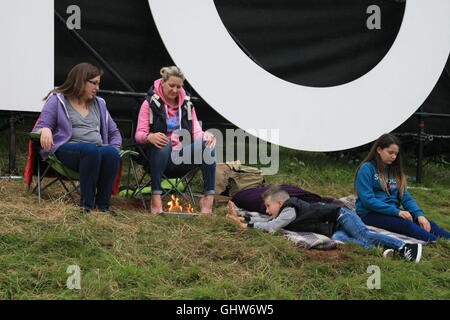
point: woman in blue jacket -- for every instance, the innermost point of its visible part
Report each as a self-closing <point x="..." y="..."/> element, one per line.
<point x="383" y="199"/>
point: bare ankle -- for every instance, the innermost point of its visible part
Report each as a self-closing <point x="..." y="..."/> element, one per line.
<point x="156" y="203"/>
<point x="206" y="203"/>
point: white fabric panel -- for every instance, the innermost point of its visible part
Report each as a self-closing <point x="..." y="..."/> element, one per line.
<point x="26" y="54"/>
<point x="312" y="119"/>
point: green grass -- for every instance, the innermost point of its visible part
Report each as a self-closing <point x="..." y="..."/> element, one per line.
<point x="138" y="256"/>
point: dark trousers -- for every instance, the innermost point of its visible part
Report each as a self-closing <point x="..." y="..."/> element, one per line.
<point x="402" y="226"/>
<point x="195" y="154"/>
<point x="98" y="167"/>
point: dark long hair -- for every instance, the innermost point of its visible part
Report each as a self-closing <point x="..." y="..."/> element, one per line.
<point x="396" y="167"/>
<point x="73" y="87"/>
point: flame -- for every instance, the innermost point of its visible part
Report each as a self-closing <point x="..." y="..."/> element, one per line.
<point x="175" y="206"/>
<point x="189" y="208"/>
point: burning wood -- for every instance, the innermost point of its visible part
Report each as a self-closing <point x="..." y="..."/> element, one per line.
<point x="175" y="206"/>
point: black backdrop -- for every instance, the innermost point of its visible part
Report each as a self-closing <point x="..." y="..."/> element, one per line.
<point x="309" y="42"/>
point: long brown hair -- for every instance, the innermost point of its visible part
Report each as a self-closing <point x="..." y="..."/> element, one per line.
<point x="76" y="80"/>
<point x="396" y="167"/>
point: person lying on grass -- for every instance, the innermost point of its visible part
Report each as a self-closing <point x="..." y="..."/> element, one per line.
<point x="338" y="223"/>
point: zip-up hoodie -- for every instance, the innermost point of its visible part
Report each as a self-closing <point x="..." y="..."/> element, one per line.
<point x="54" y="115"/>
<point x="143" y="126"/>
<point x="372" y="198"/>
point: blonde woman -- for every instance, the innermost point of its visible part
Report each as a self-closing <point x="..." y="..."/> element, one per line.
<point x="166" y="114"/>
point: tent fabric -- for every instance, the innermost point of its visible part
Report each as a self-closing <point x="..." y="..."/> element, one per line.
<point x="309" y="42"/>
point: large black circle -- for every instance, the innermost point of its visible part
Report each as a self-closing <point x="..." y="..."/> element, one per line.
<point x="317" y="43"/>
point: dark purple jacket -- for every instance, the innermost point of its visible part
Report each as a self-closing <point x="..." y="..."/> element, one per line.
<point x="54" y="115"/>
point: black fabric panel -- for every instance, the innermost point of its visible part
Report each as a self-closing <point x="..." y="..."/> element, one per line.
<point x="323" y="43"/>
<point x="310" y="42"/>
<point x="437" y="102"/>
<point x="124" y="34"/>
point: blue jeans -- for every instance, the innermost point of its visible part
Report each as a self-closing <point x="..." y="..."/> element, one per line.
<point x="98" y="167"/>
<point x="195" y="154"/>
<point x="402" y="226"/>
<point x="350" y="228"/>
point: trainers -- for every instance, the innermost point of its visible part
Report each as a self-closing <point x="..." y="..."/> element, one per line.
<point x="412" y="252"/>
<point x="389" y="253"/>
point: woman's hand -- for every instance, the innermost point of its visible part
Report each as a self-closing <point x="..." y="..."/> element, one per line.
<point x="424" y="223"/>
<point x="46" y="138"/>
<point x="158" y="139"/>
<point x="210" y="140"/>
<point x="405" y="215"/>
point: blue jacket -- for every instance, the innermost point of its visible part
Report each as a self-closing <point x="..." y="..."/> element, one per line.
<point x="373" y="199"/>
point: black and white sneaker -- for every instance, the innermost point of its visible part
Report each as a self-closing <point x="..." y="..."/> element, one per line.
<point x="412" y="252"/>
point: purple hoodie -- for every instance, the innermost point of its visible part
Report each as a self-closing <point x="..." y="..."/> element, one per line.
<point x="54" y="115"/>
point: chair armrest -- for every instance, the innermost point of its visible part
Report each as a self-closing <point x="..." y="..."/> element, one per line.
<point x="35" y="136"/>
<point x="125" y="153"/>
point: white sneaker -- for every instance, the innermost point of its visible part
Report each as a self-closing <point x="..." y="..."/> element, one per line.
<point x="388" y="253"/>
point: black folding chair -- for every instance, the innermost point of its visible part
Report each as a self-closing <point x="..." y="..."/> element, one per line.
<point x="58" y="172"/>
<point x="176" y="182"/>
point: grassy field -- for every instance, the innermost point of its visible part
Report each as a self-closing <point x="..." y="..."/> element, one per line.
<point x="138" y="256"/>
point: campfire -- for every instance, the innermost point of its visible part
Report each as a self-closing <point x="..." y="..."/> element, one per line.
<point x="175" y="206"/>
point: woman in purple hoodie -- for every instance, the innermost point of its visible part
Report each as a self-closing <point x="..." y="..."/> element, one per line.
<point x="76" y="126"/>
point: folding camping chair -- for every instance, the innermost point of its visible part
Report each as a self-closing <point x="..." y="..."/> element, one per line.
<point x="173" y="182"/>
<point x="53" y="168"/>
